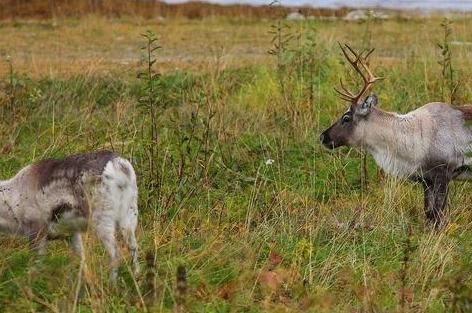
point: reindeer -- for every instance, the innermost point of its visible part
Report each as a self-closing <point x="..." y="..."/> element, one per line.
<point x="427" y="145"/>
<point x="52" y="198"/>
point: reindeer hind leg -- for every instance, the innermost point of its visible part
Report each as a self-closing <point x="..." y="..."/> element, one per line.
<point x="128" y="222"/>
<point x="435" y="200"/>
<point x="105" y="229"/>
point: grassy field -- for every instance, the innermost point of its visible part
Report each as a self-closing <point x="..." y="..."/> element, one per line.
<point x="234" y="186"/>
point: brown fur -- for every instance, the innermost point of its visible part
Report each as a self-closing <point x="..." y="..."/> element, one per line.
<point x="59" y="210"/>
<point x="71" y="170"/>
<point x="467" y="111"/>
<point x="71" y="167"/>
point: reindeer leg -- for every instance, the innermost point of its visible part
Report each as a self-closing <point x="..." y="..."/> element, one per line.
<point x="464" y="172"/>
<point x="39" y="244"/>
<point x="105" y="229"/>
<point x="130" y="237"/>
<point x="128" y="224"/>
<point x="428" y="199"/>
<point x="77" y="245"/>
<point x="435" y="200"/>
<point x="37" y="236"/>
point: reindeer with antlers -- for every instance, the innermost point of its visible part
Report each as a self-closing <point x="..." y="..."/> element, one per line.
<point x="427" y="145"/>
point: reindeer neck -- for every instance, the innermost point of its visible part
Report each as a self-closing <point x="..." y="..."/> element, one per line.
<point x="380" y="128"/>
<point x="396" y="141"/>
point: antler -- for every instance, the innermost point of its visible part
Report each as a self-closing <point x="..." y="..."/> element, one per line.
<point x="357" y="60"/>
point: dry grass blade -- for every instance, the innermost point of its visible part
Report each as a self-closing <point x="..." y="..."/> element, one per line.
<point x="34" y="298"/>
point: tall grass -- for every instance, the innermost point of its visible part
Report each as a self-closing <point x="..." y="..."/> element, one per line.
<point x="449" y="75"/>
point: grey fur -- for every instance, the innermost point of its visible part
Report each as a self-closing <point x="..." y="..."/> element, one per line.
<point x="428" y="145"/>
<point x="53" y="198"/>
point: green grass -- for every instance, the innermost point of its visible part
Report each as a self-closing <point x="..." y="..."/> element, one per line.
<point x="218" y="208"/>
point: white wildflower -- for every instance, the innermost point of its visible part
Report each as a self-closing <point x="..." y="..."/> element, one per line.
<point x="269" y="162"/>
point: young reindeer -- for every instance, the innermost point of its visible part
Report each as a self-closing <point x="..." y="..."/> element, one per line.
<point x="53" y="198"/>
<point x="427" y="145"/>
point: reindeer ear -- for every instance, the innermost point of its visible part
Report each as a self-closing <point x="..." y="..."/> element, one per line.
<point x="366" y="107"/>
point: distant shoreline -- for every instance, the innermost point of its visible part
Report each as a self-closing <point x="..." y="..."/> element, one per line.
<point x="414" y="5"/>
<point x="259" y="9"/>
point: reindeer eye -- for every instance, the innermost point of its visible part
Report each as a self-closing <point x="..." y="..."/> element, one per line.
<point x="346" y="118"/>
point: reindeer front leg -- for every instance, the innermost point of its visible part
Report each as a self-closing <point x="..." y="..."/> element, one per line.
<point x="37" y="237"/>
<point x="435" y="200"/>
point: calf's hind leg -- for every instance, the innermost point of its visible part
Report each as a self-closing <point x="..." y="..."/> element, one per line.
<point x="130" y="237"/>
<point x="128" y="223"/>
<point x="105" y="229"/>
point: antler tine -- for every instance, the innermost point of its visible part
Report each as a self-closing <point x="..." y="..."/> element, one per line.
<point x="369" y="79"/>
<point x="346" y="55"/>
<point x="359" y="59"/>
<point x="343" y="96"/>
<point x="344" y="93"/>
<point x="363" y="62"/>
<point x="345" y="89"/>
<point x="368" y="54"/>
<point x="360" y="56"/>
<point x="353" y="52"/>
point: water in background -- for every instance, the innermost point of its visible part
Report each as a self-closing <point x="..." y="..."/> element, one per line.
<point x="459" y="5"/>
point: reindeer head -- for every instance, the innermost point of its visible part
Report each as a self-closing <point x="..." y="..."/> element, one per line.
<point x="345" y="131"/>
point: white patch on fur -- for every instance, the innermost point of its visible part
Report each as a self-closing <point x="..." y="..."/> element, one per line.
<point x="116" y="202"/>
